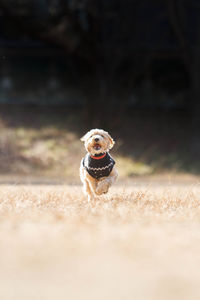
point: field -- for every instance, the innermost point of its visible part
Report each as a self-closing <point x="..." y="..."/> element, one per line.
<point x="139" y="241"/>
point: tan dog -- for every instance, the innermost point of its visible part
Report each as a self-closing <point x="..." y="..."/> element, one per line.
<point x="97" y="171"/>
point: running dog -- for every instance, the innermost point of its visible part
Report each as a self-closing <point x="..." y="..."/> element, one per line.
<point x="97" y="169"/>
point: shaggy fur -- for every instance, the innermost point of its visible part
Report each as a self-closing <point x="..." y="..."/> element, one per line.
<point x="91" y="186"/>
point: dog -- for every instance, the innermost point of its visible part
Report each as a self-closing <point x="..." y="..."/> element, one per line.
<point x="97" y="169"/>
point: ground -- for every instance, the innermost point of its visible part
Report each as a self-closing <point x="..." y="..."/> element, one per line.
<point x="140" y="241"/>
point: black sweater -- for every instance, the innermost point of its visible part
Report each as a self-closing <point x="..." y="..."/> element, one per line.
<point x="98" y="168"/>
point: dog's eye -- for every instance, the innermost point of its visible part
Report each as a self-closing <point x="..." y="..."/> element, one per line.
<point x="102" y="136"/>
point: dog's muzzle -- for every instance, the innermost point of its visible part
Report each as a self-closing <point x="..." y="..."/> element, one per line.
<point x="97" y="146"/>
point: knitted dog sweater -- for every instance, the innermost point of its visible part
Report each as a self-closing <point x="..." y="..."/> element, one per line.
<point x="98" y="167"/>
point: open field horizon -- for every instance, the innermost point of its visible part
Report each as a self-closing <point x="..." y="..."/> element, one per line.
<point x="44" y="142"/>
<point x="137" y="242"/>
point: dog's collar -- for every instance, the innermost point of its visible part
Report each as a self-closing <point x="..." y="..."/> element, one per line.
<point x="98" y="156"/>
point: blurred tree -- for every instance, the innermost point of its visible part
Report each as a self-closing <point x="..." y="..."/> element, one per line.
<point x="179" y="17"/>
<point x="114" y="43"/>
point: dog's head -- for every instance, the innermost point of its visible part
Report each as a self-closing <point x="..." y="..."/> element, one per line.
<point x="97" y="141"/>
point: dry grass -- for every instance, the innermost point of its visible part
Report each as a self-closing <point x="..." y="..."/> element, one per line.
<point x="135" y="243"/>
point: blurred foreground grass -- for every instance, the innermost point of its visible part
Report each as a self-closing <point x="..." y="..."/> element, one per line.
<point x="134" y="243"/>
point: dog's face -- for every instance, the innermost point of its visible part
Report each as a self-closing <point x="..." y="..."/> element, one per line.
<point x="97" y="141"/>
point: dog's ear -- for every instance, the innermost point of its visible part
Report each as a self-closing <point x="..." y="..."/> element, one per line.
<point x="112" y="142"/>
<point x="85" y="137"/>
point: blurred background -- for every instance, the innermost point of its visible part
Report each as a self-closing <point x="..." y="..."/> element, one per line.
<point x="131" y="67"/>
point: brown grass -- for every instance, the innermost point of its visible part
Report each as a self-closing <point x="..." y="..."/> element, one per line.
<point x="134" y="243"/>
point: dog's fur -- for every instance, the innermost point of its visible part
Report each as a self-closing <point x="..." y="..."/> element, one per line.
<point x="94" y="187"/>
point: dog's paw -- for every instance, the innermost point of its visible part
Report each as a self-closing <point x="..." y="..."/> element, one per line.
<point x="102" y="187"/>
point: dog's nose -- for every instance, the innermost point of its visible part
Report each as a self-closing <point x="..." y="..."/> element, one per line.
<point x="96" y="139"/>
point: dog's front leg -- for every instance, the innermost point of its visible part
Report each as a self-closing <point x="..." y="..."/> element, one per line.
<point x="92" y="184"/>
<point x="106" y="182"/>
<point x="112" y="177"/>
<point x="87" y="191"/>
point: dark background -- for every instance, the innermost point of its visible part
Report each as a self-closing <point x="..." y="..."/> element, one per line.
<point x="131" y="67"/>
